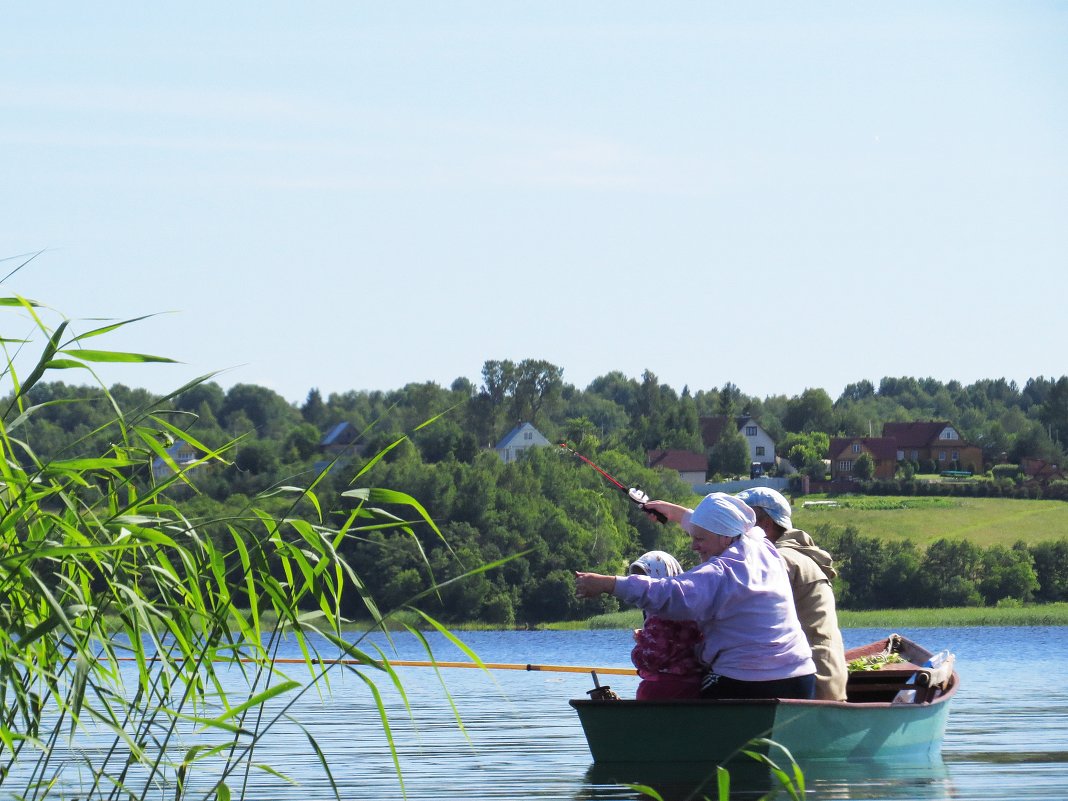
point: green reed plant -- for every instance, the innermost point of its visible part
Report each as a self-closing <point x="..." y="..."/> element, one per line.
<point x="789" y="778"/>
<point x="119" y="613"/>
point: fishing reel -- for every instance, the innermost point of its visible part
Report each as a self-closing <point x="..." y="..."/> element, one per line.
<point x="640" y="497"/>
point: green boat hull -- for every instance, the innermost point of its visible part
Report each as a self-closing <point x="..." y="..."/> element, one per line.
<point x="716" y="731"/>
<point x="873" y="724"/>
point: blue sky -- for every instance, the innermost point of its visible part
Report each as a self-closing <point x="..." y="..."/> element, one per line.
<point x="358" y="196"/>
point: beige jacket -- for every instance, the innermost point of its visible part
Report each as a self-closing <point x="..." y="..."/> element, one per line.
<point x="811" y="569"/>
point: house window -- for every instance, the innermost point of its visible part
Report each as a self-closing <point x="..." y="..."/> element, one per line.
<point x="528" y="435"/>
<point x="856" y="447"/>
<point x="760" y="450"/>
<point x="941" y="456"/>
<point x="915" y="455"/>
<point x="750" y="431"/>
<point x="845" y="466"/>
<point x="956" y="456"/>
<point x="948" y="433"/>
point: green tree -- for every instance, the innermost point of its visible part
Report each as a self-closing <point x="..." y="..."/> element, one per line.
<point x="730" y="455"/>
<point x="270" y="414"/>
<point x="1051" y="570"/>
<point x="538" y="385"/>
<point x="951" y="575"/>
<point x="861" y="563"/>
<point x="864" y="467"/>
<point x="301" y="442"/>
<point x="805" y="449"/>
<point x="729" y="401"/>
<point x="812" y="410"/>
<point x="314" y="410"/>
<point x="1007" y="573"/>
<point x="1053" y="412"/>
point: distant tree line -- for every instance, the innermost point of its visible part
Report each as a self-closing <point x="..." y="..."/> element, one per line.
<point x="875" y="574"/>
<point x="547" y="514"/>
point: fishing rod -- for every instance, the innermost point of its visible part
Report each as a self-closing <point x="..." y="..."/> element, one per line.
<point x="635" y="494"/>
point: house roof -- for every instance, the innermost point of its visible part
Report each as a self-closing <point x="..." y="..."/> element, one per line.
<point x="915" y="434"/>
<point x="1039" y="468"/>
<point x="682" y="461"/>
<point x="333" y="436"/>
<point x="881" y="448"/>
<point x="712" y="427"/>
<point x="507" y="439"/>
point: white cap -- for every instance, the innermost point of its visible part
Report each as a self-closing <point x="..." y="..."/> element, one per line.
<point x="772" y="502"/>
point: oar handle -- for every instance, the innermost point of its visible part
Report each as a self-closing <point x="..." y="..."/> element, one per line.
<point x="506" y="666"/>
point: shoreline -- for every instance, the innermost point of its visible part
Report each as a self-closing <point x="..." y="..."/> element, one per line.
<point x="1054" y="614"/>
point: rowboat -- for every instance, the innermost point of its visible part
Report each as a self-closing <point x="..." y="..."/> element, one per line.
<point x="897" y="711"/>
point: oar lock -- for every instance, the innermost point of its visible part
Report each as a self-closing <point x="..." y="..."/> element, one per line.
<point x="599" y="692"/>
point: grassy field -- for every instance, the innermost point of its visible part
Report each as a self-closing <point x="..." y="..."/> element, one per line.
<point x="984" y="521"/>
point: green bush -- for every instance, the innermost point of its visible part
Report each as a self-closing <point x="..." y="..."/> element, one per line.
<point x="1005" y="471"/>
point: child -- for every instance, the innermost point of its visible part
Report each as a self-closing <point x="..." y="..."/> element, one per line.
<point x="665" y="651"/>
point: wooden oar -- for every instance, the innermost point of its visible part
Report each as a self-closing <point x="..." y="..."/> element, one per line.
<point x="417" y="663"/>
<point x="483" y="666"/>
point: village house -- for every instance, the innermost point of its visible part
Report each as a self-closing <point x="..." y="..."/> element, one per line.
<point x="844" y="452"/>
<point x="182" y="454"/>
<point x="761" y="445"/>
<point x="930" y="442"/>
<point x="518" y="441"/>
<point x="1041" y="470"/>
<point x="691" y="467"/>
<point x="340" y="440"/>
<point x="935" y="441"/>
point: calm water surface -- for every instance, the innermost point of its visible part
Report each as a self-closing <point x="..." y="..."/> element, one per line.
<point x="1007" y="736"/>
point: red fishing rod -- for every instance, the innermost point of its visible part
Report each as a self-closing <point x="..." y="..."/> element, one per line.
<point x="634" y="493"/>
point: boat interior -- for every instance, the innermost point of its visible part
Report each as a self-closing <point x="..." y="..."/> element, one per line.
<point x="916" y="680"/>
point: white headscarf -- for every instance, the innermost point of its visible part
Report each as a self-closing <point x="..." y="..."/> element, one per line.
<point x="722" y="514"/>
<point x="657" y="564"/>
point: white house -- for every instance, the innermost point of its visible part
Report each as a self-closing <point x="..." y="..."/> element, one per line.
<point x="183" y="455"/>
<point x="761" y="445"/>
<point x="517" y="441"/>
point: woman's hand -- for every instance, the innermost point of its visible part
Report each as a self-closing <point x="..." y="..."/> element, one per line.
<point x="590" y="585"/>
<point x="672" y="511"/>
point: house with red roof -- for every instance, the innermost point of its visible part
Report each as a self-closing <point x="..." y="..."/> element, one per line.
<point x="845" y="451"/>
<point x="691" y="467"/>
<point x="936" y="441"/>
<point x="1041" y="470"/>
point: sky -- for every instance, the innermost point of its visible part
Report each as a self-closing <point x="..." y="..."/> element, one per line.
<point x="357" y="195"/>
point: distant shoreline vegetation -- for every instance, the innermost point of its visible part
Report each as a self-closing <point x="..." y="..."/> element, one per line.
<point x="1052" y="614"/>
<point x="1049" y="614"/>
<point x="536" y="519"/>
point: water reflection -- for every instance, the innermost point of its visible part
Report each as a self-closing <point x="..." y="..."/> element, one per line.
<point x="680" y="782"/>
<point x="749" y="780"/>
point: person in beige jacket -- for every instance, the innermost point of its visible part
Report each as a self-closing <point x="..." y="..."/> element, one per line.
<point x="811" y="569"/>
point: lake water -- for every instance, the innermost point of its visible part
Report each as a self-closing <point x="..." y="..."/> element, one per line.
<point x="1007" y="736"/>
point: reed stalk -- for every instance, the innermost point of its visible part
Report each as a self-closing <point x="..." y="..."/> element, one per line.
<point x="100" y="568"/>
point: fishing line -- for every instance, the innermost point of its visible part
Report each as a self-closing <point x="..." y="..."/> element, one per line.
<point x="635" y="494"/>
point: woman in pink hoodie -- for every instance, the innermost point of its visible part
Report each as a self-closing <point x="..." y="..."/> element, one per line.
<point x="665" y="651"/>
